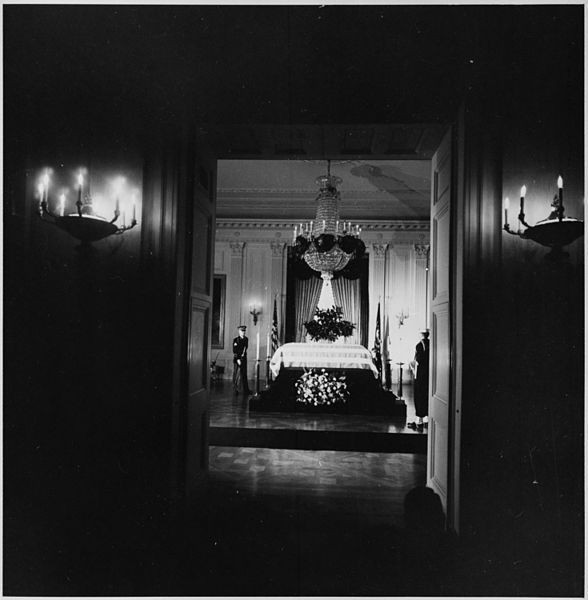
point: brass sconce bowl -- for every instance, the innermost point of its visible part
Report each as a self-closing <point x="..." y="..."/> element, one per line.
<point x="87" y="229"/>
<point x="555" y="233"/>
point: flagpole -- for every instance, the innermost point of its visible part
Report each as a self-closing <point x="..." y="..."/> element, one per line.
<point x="275" y="342"/>
<point x="377" y="351"/>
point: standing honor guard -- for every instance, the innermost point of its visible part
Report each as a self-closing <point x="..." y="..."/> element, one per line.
<point x="421" y="382"/>
<point x="240" y="345"/>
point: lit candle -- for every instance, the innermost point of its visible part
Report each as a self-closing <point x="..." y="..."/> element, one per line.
<point x="323" y="226"/>
<point x="560" y="191"/>
<point x="506" y="207"/>
<point x="257" y="355"/>
<point x="46" y="185"/>
<point x="268" y="344"/>
<point x="134" y="210"/>
<point x="117" y="205"/>
<point x="81" y="185"/>
<point x="62" y="204"/>
<point x="295" y="232"/>
<point x="523" y="194"/>
<point x="41" y="192"/>
<point x="124" y="219"/>
<point x="337" y="227"/>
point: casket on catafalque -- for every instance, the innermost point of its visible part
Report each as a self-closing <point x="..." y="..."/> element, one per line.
<point x="326" y="377"/>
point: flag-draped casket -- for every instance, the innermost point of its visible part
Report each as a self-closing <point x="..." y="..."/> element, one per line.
<point x="348" y="366"/>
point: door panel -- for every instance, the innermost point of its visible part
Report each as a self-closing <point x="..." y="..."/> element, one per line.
<point x="440" y="399"/>
<point x="197" y="352"/>
<point x="439" y="347"/>
<point x="199" y="326"/>
<point x="201" y="249"/>
<point x="440" y="254"/>
<point x="195" y="251"/>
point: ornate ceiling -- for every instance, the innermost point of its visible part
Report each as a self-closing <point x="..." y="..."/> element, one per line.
<point x="286" y="189"/>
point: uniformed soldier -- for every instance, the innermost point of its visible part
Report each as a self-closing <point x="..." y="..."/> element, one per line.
<point x="240" y="345"/>
<point x="421" y="381"/>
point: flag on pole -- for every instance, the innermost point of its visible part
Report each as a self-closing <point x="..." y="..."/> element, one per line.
<point x="377" y="350"/>
<point x="275" y="340"/>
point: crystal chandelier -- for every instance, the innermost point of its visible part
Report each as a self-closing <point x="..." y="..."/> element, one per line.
<point x="327" y="244"/>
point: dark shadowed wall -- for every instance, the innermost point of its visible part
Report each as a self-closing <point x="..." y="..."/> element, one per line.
<point x="523" y="352"/>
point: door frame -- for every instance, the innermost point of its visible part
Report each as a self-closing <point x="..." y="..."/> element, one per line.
<point x="456" y="287"/>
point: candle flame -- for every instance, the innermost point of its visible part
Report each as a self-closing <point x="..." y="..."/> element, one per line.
<point x="40" y="189"/>
<point x="560" y="182"/>
<point x="506" y="203"/>
<point x="523" y="191"/>
<point x="46" y="179"/>
<point x="118" y="183"/>
<point x="62" y="198"/>
<point x="80" y="179"/>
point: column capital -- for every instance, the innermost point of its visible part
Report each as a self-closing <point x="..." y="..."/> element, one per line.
<point x="277" y="249"/>
<point x="379" y="250"/>
<point x="422" y="250"/>
<point x="237" y="248"/>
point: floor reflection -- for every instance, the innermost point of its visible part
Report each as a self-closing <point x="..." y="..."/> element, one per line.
<point x="230" y="410"/>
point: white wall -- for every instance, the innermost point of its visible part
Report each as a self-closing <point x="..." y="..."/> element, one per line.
<point x="252" y="254"/>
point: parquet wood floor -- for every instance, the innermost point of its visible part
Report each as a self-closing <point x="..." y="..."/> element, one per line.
<point x="233" y="424"/>
<point x="229" y="410"/>
<point x="366" y="486"/>
<point x="296" y="523"/>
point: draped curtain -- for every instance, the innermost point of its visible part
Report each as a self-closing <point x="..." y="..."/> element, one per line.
<point x="308" y="292"/>
<point x="347" y="294"/>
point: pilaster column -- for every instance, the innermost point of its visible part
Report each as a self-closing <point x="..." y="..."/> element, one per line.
<point x="275" y="290"/>
<point x="376" y="284"/>
<point x="235" y="294"/>
<point x="421" y="291"/>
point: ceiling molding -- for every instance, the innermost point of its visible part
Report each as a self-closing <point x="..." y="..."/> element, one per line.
<point x="223" y="224"/>
<point x="231" y="194"/>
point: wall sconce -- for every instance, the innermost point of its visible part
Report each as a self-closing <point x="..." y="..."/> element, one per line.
<point x="254" y="313"/>
<point x="85" y="225"/>
<point x="555" y="232"/>
<point x="402" y="316"/>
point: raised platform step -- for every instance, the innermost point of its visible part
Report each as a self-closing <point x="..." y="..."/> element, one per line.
<point x="302" y="439"/>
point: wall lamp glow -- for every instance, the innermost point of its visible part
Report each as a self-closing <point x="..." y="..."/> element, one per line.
<point x="254" y="312"/>
<point x="555" y="232"/>
<point x="84" y="225"/>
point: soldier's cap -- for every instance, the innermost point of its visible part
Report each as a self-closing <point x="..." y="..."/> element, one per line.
<point x="424" y="331"/>
<point x="242" y="327"/>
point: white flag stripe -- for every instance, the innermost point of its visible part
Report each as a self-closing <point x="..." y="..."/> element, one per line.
<point x="318" y="355"/>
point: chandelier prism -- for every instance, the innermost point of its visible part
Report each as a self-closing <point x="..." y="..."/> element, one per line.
<point x="327" y="244"/>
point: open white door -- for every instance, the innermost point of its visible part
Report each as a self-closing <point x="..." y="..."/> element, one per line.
<point x="443" y="454"/>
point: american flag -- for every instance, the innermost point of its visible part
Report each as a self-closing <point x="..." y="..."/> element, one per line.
<point x="275" y="340"/>
<point x="377" y="351"/>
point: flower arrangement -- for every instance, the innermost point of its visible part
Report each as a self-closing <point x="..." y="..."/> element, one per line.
<point x="321" y="389"/>
<point x="328" y="324"/>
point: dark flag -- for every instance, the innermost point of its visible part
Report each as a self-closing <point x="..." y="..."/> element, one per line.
<point x="377" y="350"/>
<point x="275" y="340"/>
